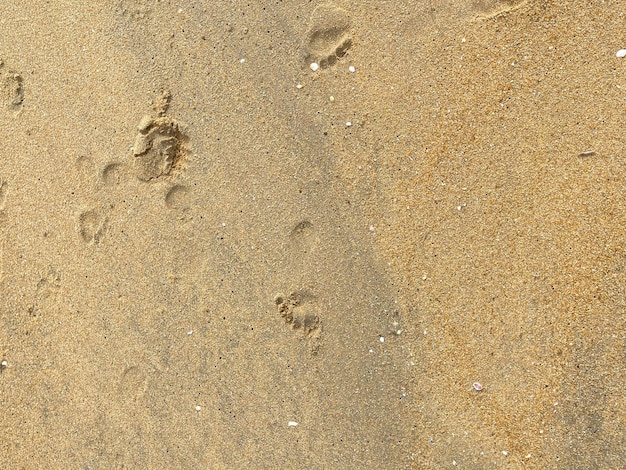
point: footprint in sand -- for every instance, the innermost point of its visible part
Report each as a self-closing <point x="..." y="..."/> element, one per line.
<point x="113" y="174"/>
<point x="133" y="384"/>
<point x="47" y="294"/>
<point x="4" y="188"/>
<point x="92" y="225"/>
<point x="491" y="8"/>
<point x="160" y="147"/>
<point x="304" y="238"/>
<point x="177" y="197"/>
<point x="329" y="35"/>
<point x="301" y="312"/>
<point x="11" y="89"/>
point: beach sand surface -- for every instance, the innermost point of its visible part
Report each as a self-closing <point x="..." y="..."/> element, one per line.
<point x="214" y="256"/>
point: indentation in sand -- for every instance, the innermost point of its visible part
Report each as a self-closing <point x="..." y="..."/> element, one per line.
<point x="92" y="225"/>
<point x="11" y="88"/>
<point x="159" y="148"/>
<point x="329" y="35"/>
<point x="301" y="311"/>
<point x="491" y="8"/>
<point x="177" y="197"/>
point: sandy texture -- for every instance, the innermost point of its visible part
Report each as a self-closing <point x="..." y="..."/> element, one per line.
<point x="212" y="256"/>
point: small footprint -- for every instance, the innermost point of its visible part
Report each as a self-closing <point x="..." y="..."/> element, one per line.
<point x="300" y="311"/>
<point x="329" y="36"/>
<point x="11" y="88"/>
<point x="47" y="293"/>
<point x="133" y="384"/>
<point x="92" y="225"/>
<point x="4" y="188"/>
<point x="304" y="238"/>
<point x="160" y="147"/>
<point x="113" y="174"/>
<point x="491" y="8"/>
<point x="177" y="197"/>
<point x="134" y="9"/>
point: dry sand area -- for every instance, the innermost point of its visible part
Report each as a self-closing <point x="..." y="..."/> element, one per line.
<point x="214" y="257"/>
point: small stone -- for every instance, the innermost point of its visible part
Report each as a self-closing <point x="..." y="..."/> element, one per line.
<point x="477" y="386"/>
<point x="198" y="407"/>
<point x="299" y="86"/>
<point x="381" y="339"/>
<point x="621" y="53"/>
<point x="314" y="66"/>
<point x="348" y="124"/>
<point x="505" y="453"/>
<point x="292" y="424"/>
<point x="241" y="61"/>
<point x="351" y="69"/>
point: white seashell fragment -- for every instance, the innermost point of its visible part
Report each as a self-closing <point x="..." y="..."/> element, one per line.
<point x="621" y="53"/>
<point x="314" y="66"/>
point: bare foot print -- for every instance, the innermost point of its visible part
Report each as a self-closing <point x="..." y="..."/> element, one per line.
<point x="301" y="312"/>
<point x="113" y="174"/>
<point x="328" y="38"/>
<point x="133" y="384"/>
<point x="177" y="197"/>
<point x="11" y="88"/>
<point x="492" y="8"/>
<point x="4" y="188"/>
<point x="92" y="225"/>
<point x="159" y="148"/>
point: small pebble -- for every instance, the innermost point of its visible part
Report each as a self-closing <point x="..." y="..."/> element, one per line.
<point x="382" y="339"/>
<point x="314" y="66"/>
<point x="241" y="61"/>
<point x="4" y="363"/>
<point x="190" y="332"/>
<point x="505" y="453"/>
<point x="477" y="386"/>
<point x="198" y="408"/>
<point x="352" y="69"/>
<point x="292" y="424"/>
<point x="298" y="86"/>
<point x="332" y="98"/>
<point x="621" y="53"/>
<point x="348" y="124"/>
<point x="372" y="228"/>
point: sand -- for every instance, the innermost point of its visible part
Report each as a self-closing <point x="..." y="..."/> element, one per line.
<point x="212" y="256"/>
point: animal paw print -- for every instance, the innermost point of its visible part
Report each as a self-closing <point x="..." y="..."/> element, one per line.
<point x="329" y="36"/>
